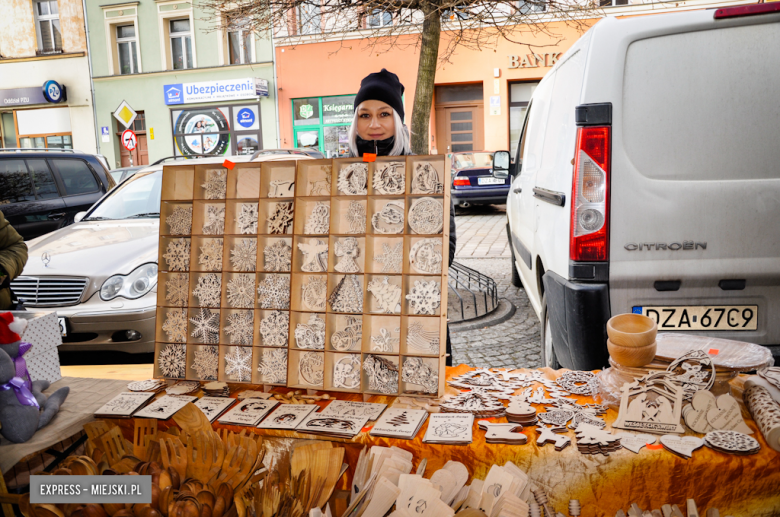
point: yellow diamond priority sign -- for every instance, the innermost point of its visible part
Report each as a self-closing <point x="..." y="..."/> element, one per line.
<point x="125" y="114"/>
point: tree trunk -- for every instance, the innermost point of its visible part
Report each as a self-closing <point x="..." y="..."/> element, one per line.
<point x="426" y="75"/>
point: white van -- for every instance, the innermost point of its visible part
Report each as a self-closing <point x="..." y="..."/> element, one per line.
<point x="647" y="180"/>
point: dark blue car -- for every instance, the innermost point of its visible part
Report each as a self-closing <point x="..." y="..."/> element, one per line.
<point x="473" y="182"/>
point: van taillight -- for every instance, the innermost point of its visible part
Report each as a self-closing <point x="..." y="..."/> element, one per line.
<point x="589" y="233"/>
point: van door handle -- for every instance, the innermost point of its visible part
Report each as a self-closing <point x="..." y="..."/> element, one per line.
<point x="56" y="216"/>
<point x="518" y="190"/>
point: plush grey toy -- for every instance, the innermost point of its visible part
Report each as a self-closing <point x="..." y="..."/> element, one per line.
<point x="23" y="407"/>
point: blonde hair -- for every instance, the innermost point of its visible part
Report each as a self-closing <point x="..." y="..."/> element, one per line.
<point x="401" y="145"/>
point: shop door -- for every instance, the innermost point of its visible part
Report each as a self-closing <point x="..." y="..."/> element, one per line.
<point x="463" y="129"/>
<point x="141" y="152"/>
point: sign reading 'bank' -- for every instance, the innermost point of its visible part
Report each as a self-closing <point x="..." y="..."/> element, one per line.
<point x="207" y="91"/>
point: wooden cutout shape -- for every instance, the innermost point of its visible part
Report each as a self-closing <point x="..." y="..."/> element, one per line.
<point x="639" y="413"/>
<point x="635" y="442"/>
<point x="681" y="445"/>
<point x="727" y="415"/>
<point x="503" y="433"/>
<point x="145" y="429"/>
<point x="520" y="408"/>
<point x="552" y="434"/>
<point x="113" y="444"/>
<point x="695" y="416"/>
<point x="191" y="419"/>
<point x="732" y="442"/>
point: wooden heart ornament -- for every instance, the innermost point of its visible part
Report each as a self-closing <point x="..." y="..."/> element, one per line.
<point x="727" y="415"/>
<point x="681" y="445"/>
<point x="635" y="442"/>
<point x="695" y="415"/>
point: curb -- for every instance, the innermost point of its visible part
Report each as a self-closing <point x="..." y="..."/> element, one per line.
<point x="500" y="314"/>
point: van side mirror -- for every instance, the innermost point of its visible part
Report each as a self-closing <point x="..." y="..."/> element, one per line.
<point x="79" y="216"/>
<point x="501" y="164"/>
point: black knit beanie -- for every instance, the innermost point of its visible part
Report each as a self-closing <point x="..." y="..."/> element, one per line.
<point x="382" y="86"/>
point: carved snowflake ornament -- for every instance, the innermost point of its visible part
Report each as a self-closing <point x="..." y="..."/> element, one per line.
<point x="177" y="289"/>
<point x="215" y="220"/>
<point x="353" y="178"/>
<point x="278" y="256"/>
<point x="172" y="360"/>
<point x="180" y="220"/>
<point x="273" y="292"/>
<point x="319" y="219"/>
<point x="391" y="258"/>
<point x="311" y="335"/>
<point x="238" y="364"/>
<point x="241" y="291"/>
<point x="273" y="366"/>
<point x="425" y="297"/>
<point x="247" y="218"/>
<point x="176" y="326"/>
<point x="387" y="295"/>
<point x="347" y="250"/>
<point x="243" y="256"/>
<point x="206" y="363"/>
<point x="356" y="217"/>
<point x="211" y="255"/>
<point x="240" y="327"/>
<point x="281" y="218"/>
<point x="177" y="255"/>
<point x="315" y="292"/>
<point x="209" y="290"/>
<point x="206" y="326"/>
<point x="389" y="178"/>
<point x="275" y="328"/>
<point x="216" y="184"/>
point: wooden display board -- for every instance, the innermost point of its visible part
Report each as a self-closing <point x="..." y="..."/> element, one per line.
<point x="306" y="187"/>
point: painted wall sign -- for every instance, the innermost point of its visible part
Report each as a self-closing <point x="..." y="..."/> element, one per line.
<point x="534" y="60"/>
<point x="208" y="91"/>
<point x="338" y="110"/>
<point x="33" y="95"/>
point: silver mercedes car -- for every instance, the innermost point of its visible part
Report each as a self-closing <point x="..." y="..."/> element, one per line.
<point x="100" y="274"/>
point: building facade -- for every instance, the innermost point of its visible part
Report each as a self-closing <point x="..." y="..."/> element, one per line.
<point x="195" y="89"/>
<point x="480" y="98"/>
<point x="45" y="97"/>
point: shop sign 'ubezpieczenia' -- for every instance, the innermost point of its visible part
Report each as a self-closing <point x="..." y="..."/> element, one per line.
<point x="223" y="90"/>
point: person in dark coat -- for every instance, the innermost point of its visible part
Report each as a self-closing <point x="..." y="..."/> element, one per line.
<point x="13" y="257"/>
<point x="378" y="128"/>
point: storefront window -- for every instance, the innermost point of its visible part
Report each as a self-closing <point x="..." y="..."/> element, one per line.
<point x="9" y="130"/>
<point x="328" y="133"/>
<point x="217" y="130"/>
<point x="519" y="96"/>
<point x="59" y="142"/>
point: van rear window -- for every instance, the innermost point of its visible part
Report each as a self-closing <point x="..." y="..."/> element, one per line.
<point x="703" y="105"/>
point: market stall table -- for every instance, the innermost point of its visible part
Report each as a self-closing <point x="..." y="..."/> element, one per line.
<point x="736" y="485"/>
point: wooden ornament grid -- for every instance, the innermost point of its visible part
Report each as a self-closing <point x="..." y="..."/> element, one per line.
<point x="251" y="183"/>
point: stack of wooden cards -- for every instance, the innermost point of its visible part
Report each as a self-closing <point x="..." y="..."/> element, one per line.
<point x="592" y="440"/>
<point x="124" y="404"/>
<point x="357" y="409"/>
<point x="287" y="416"/>
<point x="332" y="425"/>
<point x="248" y="412"/>
<point x="212" y="407"/>
<point x="183" y="388"/>
<point x="216" y="389"/>
<point x="153" y="385"/>
<point x="164" y="407"/>
<point x="400" y="423"/>
<point x="450" y="428"/>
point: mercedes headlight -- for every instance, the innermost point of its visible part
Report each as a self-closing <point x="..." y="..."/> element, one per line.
<point x="132" y="286"/>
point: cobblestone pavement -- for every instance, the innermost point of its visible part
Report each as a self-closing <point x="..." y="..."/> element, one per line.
<point x="515" y="343"/>
<point x="481" y="231"/>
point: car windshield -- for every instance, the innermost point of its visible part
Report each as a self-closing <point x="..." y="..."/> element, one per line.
<point x="137" y="198"/>
<point x="469" y="160"/>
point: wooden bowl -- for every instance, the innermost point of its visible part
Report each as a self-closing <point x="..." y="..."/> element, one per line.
<point x="633" y="356"/>
<point x="631" y="330"/>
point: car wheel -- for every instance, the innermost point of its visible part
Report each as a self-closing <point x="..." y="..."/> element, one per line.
<point x="548" y="352"/>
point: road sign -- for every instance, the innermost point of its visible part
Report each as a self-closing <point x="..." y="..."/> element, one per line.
<point x="125" y="114"/>
<point x="129" y="140"/>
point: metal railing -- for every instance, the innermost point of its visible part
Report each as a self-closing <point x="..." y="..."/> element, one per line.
<point x="38" y="150"/>
<point x="477" y="293"/>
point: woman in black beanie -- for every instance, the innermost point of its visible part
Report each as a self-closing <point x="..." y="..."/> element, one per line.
<point x="378" y="128"/>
